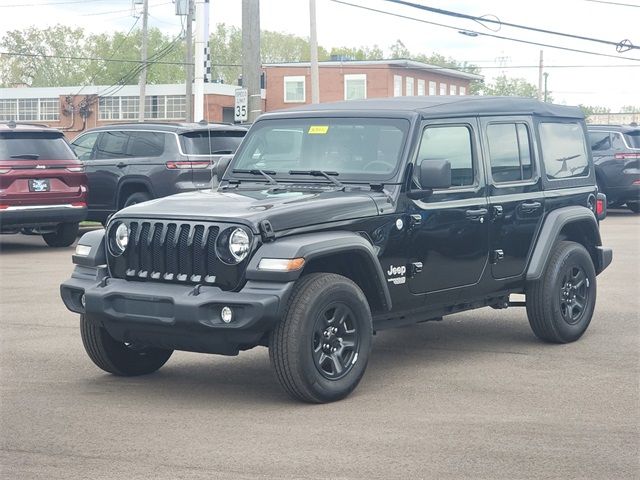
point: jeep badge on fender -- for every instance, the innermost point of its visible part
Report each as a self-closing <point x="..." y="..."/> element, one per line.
<point x="333" y="221"/>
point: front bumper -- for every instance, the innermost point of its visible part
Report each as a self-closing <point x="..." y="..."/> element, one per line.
<point x="176" y="317"/>
<point x="39" y="215"/>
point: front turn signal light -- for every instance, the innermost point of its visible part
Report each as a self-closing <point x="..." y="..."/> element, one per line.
<point x="281" y="264"/>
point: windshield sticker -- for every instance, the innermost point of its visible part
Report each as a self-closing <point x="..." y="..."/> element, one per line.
<point x="318" y="129"/>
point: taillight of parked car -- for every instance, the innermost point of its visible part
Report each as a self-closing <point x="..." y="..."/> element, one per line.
<point x="627" y="156"/>
<point x="184" y="165"/>
<point x="77" y="169"/>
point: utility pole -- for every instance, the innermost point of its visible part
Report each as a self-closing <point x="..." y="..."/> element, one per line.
<point x="313" y="43"/>
<point x="189" y="63"/>
<point x="142" y="80"/>
<point x="251" y="64"/>
<point x="202" y="40"/>
<point x="540" y="69"/>
<point x="546" y="93"/>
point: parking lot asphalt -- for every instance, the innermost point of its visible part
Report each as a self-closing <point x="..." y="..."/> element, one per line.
<point x="473" y="396"/>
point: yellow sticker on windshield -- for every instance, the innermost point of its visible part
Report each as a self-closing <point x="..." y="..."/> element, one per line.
<point x="318" y="129"/>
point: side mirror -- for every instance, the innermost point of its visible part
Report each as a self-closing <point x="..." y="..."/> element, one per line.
<point x="433" y="174"/>
<point x="222" y="164"/>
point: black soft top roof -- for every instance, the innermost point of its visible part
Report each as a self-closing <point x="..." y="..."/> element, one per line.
<point x="438" y="106"/>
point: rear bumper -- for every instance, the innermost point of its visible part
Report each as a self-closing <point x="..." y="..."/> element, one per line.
<point x="623" y="194"/>
<point x="176" y="317"/>
<point x="604" y="258"/>
<point x="38" y="215"/>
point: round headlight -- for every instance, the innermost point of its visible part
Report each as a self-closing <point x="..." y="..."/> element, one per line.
<point x="120" y="239"/>
<point x="239" y="244"/>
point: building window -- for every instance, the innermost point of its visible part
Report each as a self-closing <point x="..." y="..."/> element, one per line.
<point x="176" y="107"/>
<point x="28" y="109"/>
<point x="154" y="106"/>
<point x="129" y="107"/>
<point x="453" y="90"/>
<point x="166" y="107"/>
<point x="421" y="85"/>
<point x="443" y="89"/>
<point x="397" y="86"/>
<point x="409" y="82"/>
<point x="49" y="109"/>
<point x="432" y="88"/>
<point x="355" y="86"/>
<point x="294" y="89"/>
<point x="8" y="109"/>
<point x="109" y="108"/>
<point x="463" y="91"/>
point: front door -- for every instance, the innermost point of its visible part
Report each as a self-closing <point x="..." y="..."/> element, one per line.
<point x="516" y="201"/>
<point x="449" y="231"/>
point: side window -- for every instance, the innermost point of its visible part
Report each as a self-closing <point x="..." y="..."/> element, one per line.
<point x="600" y="141"/>
<point x="563" y="150"/>
<point x="145" y="144"/>
<point x="617" y="142"/>
<point x="509" y="152"/>
<point x="83" y="146"/>
<point x="451" y="143"/>
<point x="111" y="145"/>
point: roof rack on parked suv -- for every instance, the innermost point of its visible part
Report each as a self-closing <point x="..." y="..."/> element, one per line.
<point x="14" y="124"/>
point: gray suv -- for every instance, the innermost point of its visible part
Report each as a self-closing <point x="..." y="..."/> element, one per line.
<point x="132" y="163"/>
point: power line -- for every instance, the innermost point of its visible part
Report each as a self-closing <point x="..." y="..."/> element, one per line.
<point x="120" y="11"/>
<point x="475" y="33"/>
<point x="614" y="3"/>
<point x="97" y="59"/>
<point x="627" y="45"/>
<point x="19" y="5"/>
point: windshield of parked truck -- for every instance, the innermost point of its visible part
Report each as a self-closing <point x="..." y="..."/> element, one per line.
<point x="353" y="148"/>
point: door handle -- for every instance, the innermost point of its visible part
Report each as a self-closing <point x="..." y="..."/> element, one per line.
<point x="530" y="206"/>
<point x="477" y="215"/>
<point x="121" y="164"/>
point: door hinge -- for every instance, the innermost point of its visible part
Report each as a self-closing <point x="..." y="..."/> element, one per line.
<point x="496" y="256"/>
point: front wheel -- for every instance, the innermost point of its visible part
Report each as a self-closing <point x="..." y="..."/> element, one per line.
<point x="119" y="358"/>
<point x="63" y="236"/>
<point x="561" y="303"/>
<point x="634" y="206"/>
<point x="320" y="348"/>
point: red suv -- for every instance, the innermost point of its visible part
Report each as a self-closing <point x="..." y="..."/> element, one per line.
<point x="43" y="187"/>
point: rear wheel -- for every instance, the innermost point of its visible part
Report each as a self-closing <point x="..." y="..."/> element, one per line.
<point x="634" y="206"/>
<point x="320" y="348"/>
<point x="560" y="305"/>
<point x="64" y="235"/>
<point x="137" y="197"/>
<point x="119" y="358"/>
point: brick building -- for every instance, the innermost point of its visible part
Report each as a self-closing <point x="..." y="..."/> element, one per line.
<point x="75" y="109"/>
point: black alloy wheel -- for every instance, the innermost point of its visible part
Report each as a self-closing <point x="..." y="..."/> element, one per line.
<point x="335" y="341"/>
<point x="574" y="294"/>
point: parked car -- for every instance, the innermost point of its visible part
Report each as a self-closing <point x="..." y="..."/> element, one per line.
<point x="334" y="221"/>
<point x="42" y="184"/>
<point x="132" y="163"/>
<point x="616" y="154"/>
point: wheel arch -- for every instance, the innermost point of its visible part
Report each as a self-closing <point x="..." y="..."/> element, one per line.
<point x="129" y="186"/>
<point x="344" y="253"/>
<point x="575" y="223"/>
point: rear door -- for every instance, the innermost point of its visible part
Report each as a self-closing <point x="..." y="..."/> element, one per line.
<point x="516" y="200"/>
<point x="108" y="164"/>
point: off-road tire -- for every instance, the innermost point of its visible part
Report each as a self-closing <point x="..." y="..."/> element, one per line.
<point x="117" y="357"/>
<point x="634" y="206"/>
<point x="544" y="297"/>
<point x="137" y="197"/>
<point x="65" y="235"/>
<point x="291" y="344"/>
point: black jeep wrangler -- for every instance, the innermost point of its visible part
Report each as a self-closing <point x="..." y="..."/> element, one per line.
<point x="334" y="221"/>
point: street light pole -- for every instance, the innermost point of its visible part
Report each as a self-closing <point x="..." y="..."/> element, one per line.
<point x="313" y="44"/>
<point x="189" y="63"/>
<point x="142" y="79"/>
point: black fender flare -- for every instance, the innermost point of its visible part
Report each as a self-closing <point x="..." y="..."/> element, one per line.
<point x="136" y="180"/>
<point x="312" y="246"/>
<point x="97" y="255"/>
<point x="553" y="224"/>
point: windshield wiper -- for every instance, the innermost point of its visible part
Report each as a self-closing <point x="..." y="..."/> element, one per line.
<point x="265" y="173"/>
<point x="27" y="156"/>
<point x="331" y="176"/>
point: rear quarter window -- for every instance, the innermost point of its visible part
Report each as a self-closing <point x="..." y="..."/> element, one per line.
<point x="564" y="150"/>
<point x="211" y="143"/>
<point x="34" y="146"/>
<point x="633" y="139"/>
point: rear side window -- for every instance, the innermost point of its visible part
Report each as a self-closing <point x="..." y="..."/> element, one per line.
<point x="451" y="143"/>
<point x="146" y="144"/>
<point x="211" y="143"/>
<point x="600" y="141"/>
<point x="509" y="152"/>
<point x="34" y="146"/>
<point x="112" y="145"/>
<point x="633" y="139"/>
<point x="563" y="150"/>
<point x="617" y="142"/>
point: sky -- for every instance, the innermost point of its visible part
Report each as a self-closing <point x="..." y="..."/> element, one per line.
<point x="573" y="78"/>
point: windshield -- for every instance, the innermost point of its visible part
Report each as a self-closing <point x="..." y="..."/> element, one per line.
<point x="356" y="149"/>
<point x="34" y="146"/>
<point x="204" y="142"/>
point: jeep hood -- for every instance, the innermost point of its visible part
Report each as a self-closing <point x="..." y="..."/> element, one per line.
<point x="284" y="209"/>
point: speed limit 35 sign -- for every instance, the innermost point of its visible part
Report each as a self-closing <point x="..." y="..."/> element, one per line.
<point x="240" y="112"/>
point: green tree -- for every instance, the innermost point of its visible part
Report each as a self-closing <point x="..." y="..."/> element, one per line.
<point x="358" y="53"/>
<point x="630" y="109"/>
<point x="509" y="86"/>
<point x="593" y="109"/>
